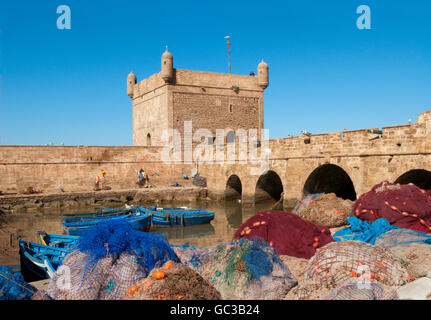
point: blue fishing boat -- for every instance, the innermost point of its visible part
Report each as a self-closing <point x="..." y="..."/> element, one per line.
<point x="177" y="216"/>
<point x="139" y="221"/>
<point x="85" y="219"/>
<point x="104" y="212"/>
<point x="38" y="261"/>
<point x="58" y="240"/>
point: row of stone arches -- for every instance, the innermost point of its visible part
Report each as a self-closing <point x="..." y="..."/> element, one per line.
<point x="328" y="178"/>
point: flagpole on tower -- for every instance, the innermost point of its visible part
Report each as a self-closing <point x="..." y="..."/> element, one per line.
<point x="228" y="50"/>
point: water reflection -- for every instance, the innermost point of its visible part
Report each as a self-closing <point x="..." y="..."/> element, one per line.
<point x="229" y="216"/>
<point x="179" y="232"/>
<point x="233" y="212"/>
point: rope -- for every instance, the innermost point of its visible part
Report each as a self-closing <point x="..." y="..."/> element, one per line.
<point x="107" y="250"/>
<point x="9" y="279"/>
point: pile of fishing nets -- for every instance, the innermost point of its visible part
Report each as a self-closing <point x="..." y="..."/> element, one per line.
<point x="287" y="232"/>
<point x="413" y="247"/>
<point x="402" y="237"/>
<point x="361" y="291"/>
<point x="173" y="281"/>
<point x="13" y="286"/>
<point x="351" y="261"/>
<point x="189" y="254"/>
<point x="245" y="269"/>
<point x="306" y="201"/>
<point x="295" y="265"/>
<point x="363" y="230"/>
<point x="110" y="257"/>
<point x="405" y="206"/>
<point x="325" y="209"/>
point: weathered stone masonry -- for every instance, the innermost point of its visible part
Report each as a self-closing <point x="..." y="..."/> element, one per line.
<point x="348" y="163"/>
<point x="363" y="158"/>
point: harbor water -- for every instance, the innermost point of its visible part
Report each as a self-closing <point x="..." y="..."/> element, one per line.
<point x="229" y="215"/>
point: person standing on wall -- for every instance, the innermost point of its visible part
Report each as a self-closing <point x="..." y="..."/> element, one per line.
<point x="145" y="177"/>
<point x="102" y="179"/>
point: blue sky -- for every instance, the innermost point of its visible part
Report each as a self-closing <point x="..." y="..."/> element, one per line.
<point x="325" y="74"/>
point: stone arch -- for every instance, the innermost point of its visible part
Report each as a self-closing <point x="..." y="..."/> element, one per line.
<point x="330" y="178"/>
<point x="148" y="139"/>
<point x="233" y="188"/>
<point x="419" y="177"/>
<point x="268" y="186"/>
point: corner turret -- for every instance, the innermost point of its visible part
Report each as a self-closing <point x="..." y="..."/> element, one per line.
<point x="262" y="74"/>
<point x="131" y="81"/>
<point x="167" y="66"/>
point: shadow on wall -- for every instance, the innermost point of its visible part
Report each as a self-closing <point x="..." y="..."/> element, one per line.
<point x="419" y="177"/>
<point x="233" y="188"/>
<point x="330" y="178"/>
<point x="269" y="186"/>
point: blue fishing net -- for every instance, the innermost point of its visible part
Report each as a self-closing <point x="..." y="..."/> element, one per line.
<point x="243" y="269"/>
<point x="13" y="286"/>
<point x="112" y="238"/>
<point x="363" y="230"/>
<point x="253" y="257"/>
<point x="190" y="255"/>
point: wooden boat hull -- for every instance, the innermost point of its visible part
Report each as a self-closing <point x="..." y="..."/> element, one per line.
<point x="141" y="223"/>
<point x="88" y="218"/>
<point x="37" y="261"/>
<point x="172" y="217"/>
<point x="58" y="241"/>
<point x="104" y="212"/>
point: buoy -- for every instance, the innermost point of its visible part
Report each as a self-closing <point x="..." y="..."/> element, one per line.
<point x="168" y="264"/>
<point x="159" y="275"/>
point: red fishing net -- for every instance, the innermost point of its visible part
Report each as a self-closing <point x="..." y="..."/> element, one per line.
<point x="405" y="206"/>
<point x="287" y="232"/>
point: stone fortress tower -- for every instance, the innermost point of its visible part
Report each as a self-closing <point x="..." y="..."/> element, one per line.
<point x="210" y="100"/>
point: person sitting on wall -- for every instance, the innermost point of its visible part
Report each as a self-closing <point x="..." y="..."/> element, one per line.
<point x="142" y="177"/>
<point x="97" y="184"/>
<point x="140" y="180"/>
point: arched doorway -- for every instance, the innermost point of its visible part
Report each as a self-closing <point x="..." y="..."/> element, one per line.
<point x="233" y="188"/>
<point x="330" y="178"/>
<point x="269" y="186"/>
<point x="148" y="139"/>
<point x="419" y="177"/>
